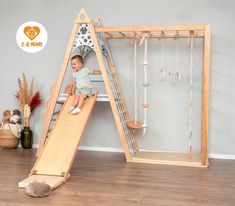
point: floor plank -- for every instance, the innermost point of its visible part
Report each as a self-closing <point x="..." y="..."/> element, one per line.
<point x="103" y="178"/>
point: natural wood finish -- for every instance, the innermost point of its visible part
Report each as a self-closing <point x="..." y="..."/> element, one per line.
<point x="59" y="152"/>
<point x="149" y="28"/>
<point x="134" y="125"/>
<point x="169" y="158"/>
<point x="44" y="120"/>
<point x="176" y="32"/>
<point x="57" y="88"/>
<point x="153" y="35"/>
<point x="82" y="17"/>
<point x="109" y="90"/>
<point x="134" y="32"/>
<point x="53" y="181"/>
<point x="205" y="96"/>
<point x="118" y="86"/>
<point x="105" y="179"/>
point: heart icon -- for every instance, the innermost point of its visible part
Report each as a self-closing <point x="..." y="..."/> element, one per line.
<point x="31" y="32"/>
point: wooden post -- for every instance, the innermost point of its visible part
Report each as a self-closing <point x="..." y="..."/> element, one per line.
<point x="109" y="90"/>
<point x="205" y="96"/>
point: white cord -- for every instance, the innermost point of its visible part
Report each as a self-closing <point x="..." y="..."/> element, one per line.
<point x="145" y="83"/>
<point x="162" y="76"/>
<point x="143" y="38"/>
<point x="190" y="95"/>
<point x="176" y="76"/>
<point x="135" y="70"/>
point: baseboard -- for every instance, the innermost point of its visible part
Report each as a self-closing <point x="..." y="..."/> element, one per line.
<point x="35" y="146"/>
<point x="222" y="156"/>
<point x="101" y="149"/>
<point x="112" y="149"/>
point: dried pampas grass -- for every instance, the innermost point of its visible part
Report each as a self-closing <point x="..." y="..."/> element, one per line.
<point x="26" y="96"/>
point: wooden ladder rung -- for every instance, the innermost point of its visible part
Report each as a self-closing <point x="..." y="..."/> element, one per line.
<point x="59" y="102"/>
<point x="111" y="72"/>
<point x="57" y="112"/>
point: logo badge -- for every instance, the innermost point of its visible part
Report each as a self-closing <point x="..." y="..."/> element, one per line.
<point x="31" y="32"/>
<point x="31" y="37"/>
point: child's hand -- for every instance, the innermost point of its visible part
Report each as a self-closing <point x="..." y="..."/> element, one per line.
<point x="96" y="72"/>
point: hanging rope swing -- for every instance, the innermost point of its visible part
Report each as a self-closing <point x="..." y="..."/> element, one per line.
<point x="145" y="83"/>
<point x="135" y="124"/>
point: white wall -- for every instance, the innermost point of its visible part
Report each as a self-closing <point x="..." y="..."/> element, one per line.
<point x="168" y="114"/>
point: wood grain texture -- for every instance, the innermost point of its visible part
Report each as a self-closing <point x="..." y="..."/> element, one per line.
<point x="62" y="144"/>
<point x="103" y="178"/>
<point x="53" y="181"/>
<point x="169" y="158"/>
<point x="109" y="90"/>
<point x="57" y="87"/>
<point x="149" y="28"/>
<point x="205" y="96"/>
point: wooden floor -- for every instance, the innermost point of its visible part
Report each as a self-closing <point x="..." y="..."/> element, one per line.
<point x="102" y="178"/>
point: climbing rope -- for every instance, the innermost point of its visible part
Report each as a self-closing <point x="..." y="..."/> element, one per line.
<point x="135" y="76"/>
<point x="176" y="76"/>
<point x="190" y="133"/>
<point x="145" y="83"/>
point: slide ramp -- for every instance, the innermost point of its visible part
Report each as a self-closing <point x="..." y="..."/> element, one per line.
<point x="55" y="160"/>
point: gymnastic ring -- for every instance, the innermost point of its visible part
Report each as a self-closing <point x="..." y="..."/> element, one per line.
<point x="176" y="77"/>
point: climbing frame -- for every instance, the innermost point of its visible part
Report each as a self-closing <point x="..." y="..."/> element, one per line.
<point x="198" y="31"/>
<point x="114" y="90"/>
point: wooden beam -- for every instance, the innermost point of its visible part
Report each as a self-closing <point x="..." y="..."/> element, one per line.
<point x="168" y="158"/>
<point x="108" y="34"/>
<point x="149" y="28"/>
<point x="122" y="34"/>
<point x="205" y="97"/>
<point x="153" y="35"/>
<point x="109" y="90"/>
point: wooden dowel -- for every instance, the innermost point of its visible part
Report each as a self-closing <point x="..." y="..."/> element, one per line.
<point x="177" y="35"/>
<point x="122" y="34"/>
<point x="149" y="28"/>
<point x="155" y="35"/>
<point x="110" y="35"/>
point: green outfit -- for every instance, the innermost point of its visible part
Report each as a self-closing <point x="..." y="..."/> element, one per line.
<point x="83" y="83"/>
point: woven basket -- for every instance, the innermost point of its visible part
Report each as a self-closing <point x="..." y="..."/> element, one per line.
<point x="8" y="140"/>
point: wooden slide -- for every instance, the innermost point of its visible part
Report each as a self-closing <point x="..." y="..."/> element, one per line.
<point x="55" y="160"/>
